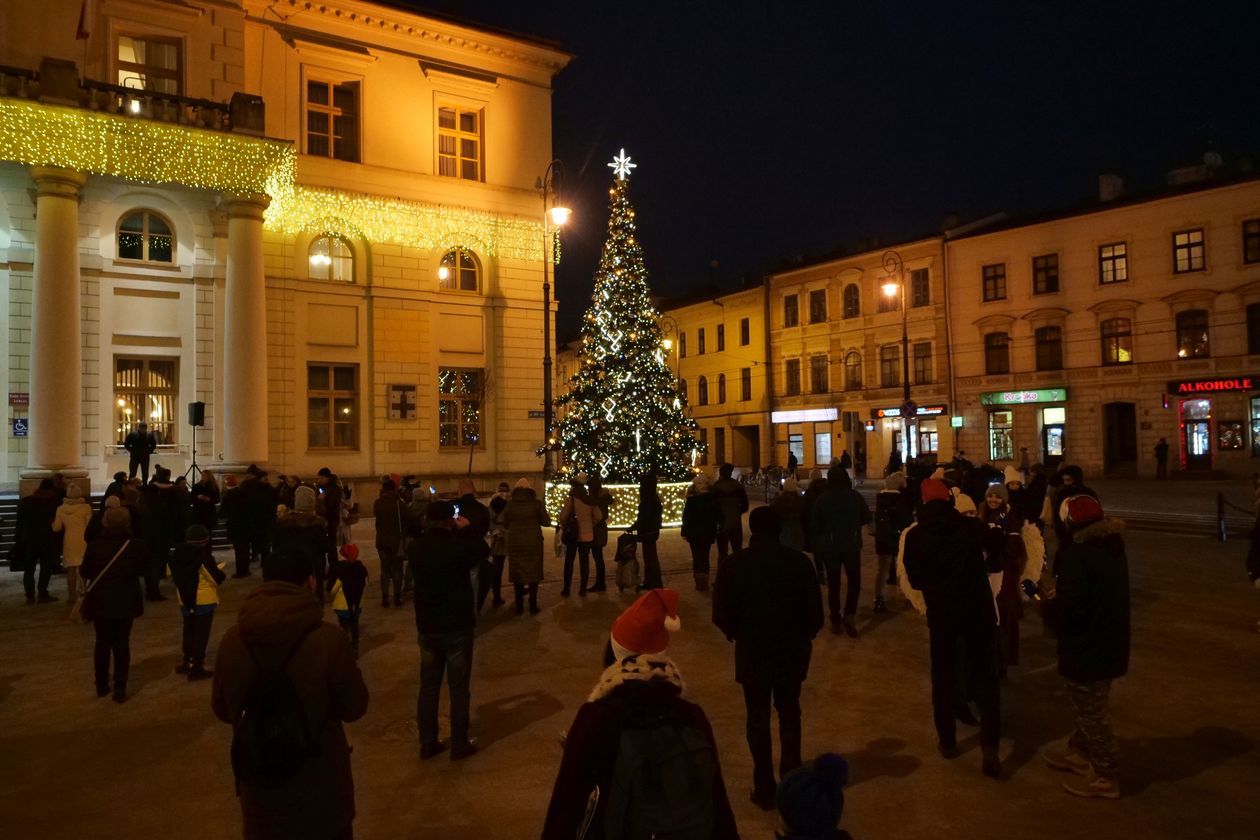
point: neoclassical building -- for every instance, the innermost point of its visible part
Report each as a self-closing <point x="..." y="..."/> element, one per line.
<point x="318" y="219"/>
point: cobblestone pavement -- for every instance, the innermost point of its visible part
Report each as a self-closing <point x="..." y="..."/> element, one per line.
<point x="73" y="766"/>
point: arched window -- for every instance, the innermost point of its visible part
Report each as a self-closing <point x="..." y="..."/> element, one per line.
<point x="145" y="236"/>
<point x="853" y="371"/>
<point x="1117" y="341"/>
<point x="721" y="388"/>
<point x="459" y="271"/>
<point x="1192" y="334"/>
<point x="702" y="392"/>
<point x="682" y="389"/>
<point x="852" y="301"/>
<point x="997" y="353"/>
<point x="331" y="258"/>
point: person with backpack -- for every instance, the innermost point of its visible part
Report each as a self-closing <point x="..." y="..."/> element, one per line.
<point x="638" y="756"/>
<point x="732" y="502"/>
<point x="287" y="682"/>
<point x="767" y="602"/>
<point x="346" y="582"/>
<point x="892" y="516"/>
<point x="839" y="516"/>
<point x="197" y="578"/>
<point x="390" y="514"/>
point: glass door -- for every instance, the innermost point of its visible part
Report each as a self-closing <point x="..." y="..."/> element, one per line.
<point x="1053" y="444"/>
<point x="1196" y="434"/>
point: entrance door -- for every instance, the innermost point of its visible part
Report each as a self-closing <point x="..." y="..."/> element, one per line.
<point x="1196" y="434"/>
<point x="1053" y="441"/>
<point x="1120" y="439"/>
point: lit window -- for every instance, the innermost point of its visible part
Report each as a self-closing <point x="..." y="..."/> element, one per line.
<point x="929" y="439"/>
<point x="330" y="258"/>
<point x="1001" y="436"/>
<point x="1049" y="342"/>
<point x="145" y="236"/>
<point x="994" y="281"/>
<point x="1192" y="334"/>
<point x="149" y="63"/>
<point x="822" y="448"/>
<point x="459" y="143"/>
<point x="332" y="120"/>
<point x="852" y="301"/>
<point x="1188" y="252"/>
<point x="1046" y="274"/>
<point x="791" y="311"/>
<point x="853" y="371"/>
<point x="461" y="393"/>
<point x="332" y="406"/>
<point x="1113" y="263"/>
<point x="1117" y="341"/>
<point x="997" y="353"/>
<point x="459" y="272"/>
<point x="146" y="390"/>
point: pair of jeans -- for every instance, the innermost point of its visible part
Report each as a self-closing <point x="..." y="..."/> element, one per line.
<point x="197" y="621"/>
<point x="729" y="541"/>
<point x="490" y="580"/>
<point x="597" y="555"/>
<point x="954" y="645"/>
<point x="700" y="556"/>
<point x="45" y="559"/>
<point x="142" y="463"/>
<point x="391" y="572"/>
<point x="785" y="692"/>
<point x="651" y="562"/>
<point x="850" y="560"/>
<point x="583" y="551"/>
<point x="113" y="638"/>
<point x="348" y="620"/>
<point x="449" y="654"/>
<point x="1093" y="737"/>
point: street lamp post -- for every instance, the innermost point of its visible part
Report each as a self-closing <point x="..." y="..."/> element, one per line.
<point x="894" y="284"/>
<point x="547" y="185"/>
<point x="670" y="331"/>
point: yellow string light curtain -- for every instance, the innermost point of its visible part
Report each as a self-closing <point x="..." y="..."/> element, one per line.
<point x="626" y="507"/>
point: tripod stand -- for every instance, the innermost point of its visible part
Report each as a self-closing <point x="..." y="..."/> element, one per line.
<point x="193" y="470"/>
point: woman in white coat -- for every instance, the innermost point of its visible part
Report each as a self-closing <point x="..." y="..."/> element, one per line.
<point x="72" y="519"/>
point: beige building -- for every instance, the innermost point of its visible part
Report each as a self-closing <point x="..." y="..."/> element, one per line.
<point x="321" y="224"/>
<point x="1091" y="335"/>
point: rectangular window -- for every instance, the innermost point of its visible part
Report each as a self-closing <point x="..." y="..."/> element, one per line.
<point x="889" y="366"/>
<point x="1253" y="328"/>
<point x="1188" y="251"/>
<point x="332" y="406"/>
<point x="922" y="360"/>
<point x="889" y="303"/>
<point x="1113" y="263"/>
<point x="719" y="446"/>
<point x="822" y="448"/>
<point x="150" y="63"/>
<point x="146" y="390"/>
<point x="791" y="311"/>
<point x="792" y="377"/>
<point x="1049" y="342"/>
<point x="818" y="374"/>
<point x="700" y="342"/>
<point x="459" y="143"/>
<point x="997" y="353"/>
<point x="1251" y="241"/>
<point x="745" y="332"/>
<point x="1046" y="274"/>
<point x="721" y="337"/>
<point x="929" y="440"/>
<point x="461" y="392"/>
<point x="920" y="288"/>
<point x="796" y="445"/>
<point x="682" y="345"/>
<point x="818" y="306"/>
<point x="1117" y="341"/>
<point x="1192" y="334"/>
<point x="994" y="281"/>
<point x="745" y="384"/>
<point x="332" y="119"/>
<point x="1001" y="436"/>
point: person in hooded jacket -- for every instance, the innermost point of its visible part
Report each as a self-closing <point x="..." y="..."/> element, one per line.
<point x="197" y="578"/>
<point x="71" y="519"/>
<point x="700" y="523"/>
<point x="837" y="521"/>
<point x="1089" y="613"/>
<point x="112" y="567"/>
<point x="892" y="516"/>
<point x="789" y="505"/>
<point x="303" y="533"/>
<point x="640" y="684"/>
<point x="524" y="517"/>
<point x="33" y="536"/>
<point x="280" y="626"/>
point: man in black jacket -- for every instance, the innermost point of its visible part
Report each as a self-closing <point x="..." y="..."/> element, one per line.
<point x="945" y="559"/>
<point x="1071" y="483"/>
<point x="732" y="504"/>
<point x="767" y="602"/>
<point x="140" y="444"/>
<point x="477" y="514"/>
<point x="1089" y="613"/>
<point x="837" y="520"/>
<point x="443" y="559"/>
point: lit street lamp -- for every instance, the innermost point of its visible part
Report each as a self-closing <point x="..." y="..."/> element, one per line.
<point x="554" y="218"/>
<point x="894" y="285"/>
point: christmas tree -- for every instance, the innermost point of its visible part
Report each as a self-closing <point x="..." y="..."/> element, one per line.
<point x="625" y="416"/>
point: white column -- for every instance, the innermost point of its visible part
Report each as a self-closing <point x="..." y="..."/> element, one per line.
<point x="245" y="426"/>
<point x="56" y="384"/>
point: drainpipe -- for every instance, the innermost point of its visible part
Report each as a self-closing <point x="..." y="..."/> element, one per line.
<point x="949" y="340"/>
<point x="765" y="300"/>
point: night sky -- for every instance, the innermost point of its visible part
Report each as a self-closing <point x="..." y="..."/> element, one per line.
<point x="773" y="132"/>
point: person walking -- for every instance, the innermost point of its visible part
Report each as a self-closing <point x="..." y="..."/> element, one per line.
<point x="280" y="639"/>
<point x="390" y="513"/>
<point x="491" y="577"/>
<point x="839" y="516"/>
<point x="635" y="718"/>
<point x="33" y="541"/>
<point x="71" y="520"/>
<point x="944" y="559"/>
<point x="1089" y="613"/>
<point x="347" y="581"/>
<point x="647" y="526"/>
<point x="140" y="445"/>
<point x="817" y="486"/>
<point x="1161" y="459"/>
<point x="197" y="578"/>
<point x="892" y="516"/>
<point x="767" y="602"/>
<point x="446" y="615"/>
<point x="732" y="502"/>
<point x="113" y="564"/>
<point x="789" y="505"/>
<point x="577" y="529"/>
<point x="303" y="533"/>
<point x="603" y="499"/>
<point x="700" y="522"/>
<point x="524" y="518"/>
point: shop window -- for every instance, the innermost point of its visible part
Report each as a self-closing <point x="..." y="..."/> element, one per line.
<point x="791" y="311"/>
<point x="721" y="388"/>
<point x="702" y="391"/>
<point x="929" y="439"/>
<point x="332" y="406"/>
<point x="818" y="306"/>
<point x="853" y="371"/>
<point x="1117" y="341"/>
<point x="745" y="332"/>
<point x="332" y="119"/>
<point x="1253" y="328"/>
<point x="792" y="377"/>
<point x="852" y="301"/>
<point x="149" y="63"/>
<point x="330" y="258"/>
<point x="920" y="288"/>
<point x="822" y="448"/>
<point x="146" y="390"/>
<point x="459" y="143"/>
<point x="1001" y="436"/>
<point x="997" y="353"/>
<point x="700" y="342"/>
<point x="994" y="277"/>
<point x="1192" y="334"/>
<point x="796" y="445"/>
<point x="1049" y="342"/>
<point x="1113" y="263"/>
<point x="818" y="374"/>
<point x="145" y="236"/>
<point x="745" y="384"/>
<point x="1255" y="427"/>
<point x="1251" y="241"/>
<point x="922" y="358"/>
<point x="1229" y="436"/>
<point x="1188" y="251"/>
<point x="721" y="337"/>
<point x="1046" y="274"/>
<point x="889" y="366"/>
<point x="459" y="271"/>
<point x="461" y="393"/>
<point x="719" y="446"/>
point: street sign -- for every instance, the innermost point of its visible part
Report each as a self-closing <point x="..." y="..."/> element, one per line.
<point x="537" y="414"/>
<point x="19" y="399"/>
<point x="21" y="426"/>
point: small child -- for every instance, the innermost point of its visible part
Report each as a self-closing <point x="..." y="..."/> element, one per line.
<point x="346" y="582"/>
<point x="197" y="580"/>
<point x="811" y="799"/>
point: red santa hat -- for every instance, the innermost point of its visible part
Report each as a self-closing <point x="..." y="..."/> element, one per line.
<point x="646" y="625"/>
<point x="933" y="490"/>
<point x="350" y="552"/>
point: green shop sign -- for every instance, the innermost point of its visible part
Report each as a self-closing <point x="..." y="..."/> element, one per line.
<point x="1038" y="395"/>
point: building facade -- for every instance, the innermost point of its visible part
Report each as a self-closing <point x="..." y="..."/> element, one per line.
<point x="321" y="224"/>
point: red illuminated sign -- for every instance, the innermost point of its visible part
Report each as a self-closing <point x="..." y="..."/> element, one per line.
<point x="1189" y="387"/>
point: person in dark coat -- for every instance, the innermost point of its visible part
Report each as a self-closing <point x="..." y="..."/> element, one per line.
<point x="732" y="502"/>
<point x="234" y="508"/>
<point x="792" y="464"/>
<point x="114" y="488"/>
<point x="278" y="622"/>
<point x="1089" y="614"/>
<point x="700" y="522"/>
<point x="205" y="501"/>
<point x="260" y="515"/>
<point x="838" y="518"/>
<point x="140" y="444"/>
<point x="1071" y="483"/>
<point x="114" y="599"/>
<point x="945" y="560"/>
<point x="330" y="497"/>
<point x="303" y="534"/>
<point x="789" y="504"/>
<point x="817" y="486"/>
<point x="647" y="525"/>
<point x="1161" y="459"/>
<point x="892" y="516"/>
<point x="477" y="514"/>
<point x="33" y="537"/>
<point x="767" y="602"/>
<point x="444" y="558"/>
<point x="602" y="499"/>
<point x="197" y="578"/>
<point x="490" y="578"/>
<point x="524" y="517"/>
<point x="640" y="684"/>
<point x="1035" y="495"/>
<point x="390" y="514"/>
<point x="156" y="533"/>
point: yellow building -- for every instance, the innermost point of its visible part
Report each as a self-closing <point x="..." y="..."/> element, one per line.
<point x="322" y="224"/>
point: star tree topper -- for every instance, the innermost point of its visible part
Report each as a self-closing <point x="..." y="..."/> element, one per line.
<point x="621" y="166"/>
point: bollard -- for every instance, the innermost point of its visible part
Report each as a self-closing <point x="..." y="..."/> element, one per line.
<point x="1220" y="517"/>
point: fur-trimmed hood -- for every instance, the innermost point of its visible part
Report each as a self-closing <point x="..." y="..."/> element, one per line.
<point x="1105" y="527"/>
<point x="641" y="668"/>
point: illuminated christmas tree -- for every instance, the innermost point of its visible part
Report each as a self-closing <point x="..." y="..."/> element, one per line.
<point x="625" y="415"/>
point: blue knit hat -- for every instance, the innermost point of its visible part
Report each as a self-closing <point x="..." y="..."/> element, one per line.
<point x="811" y="797"/>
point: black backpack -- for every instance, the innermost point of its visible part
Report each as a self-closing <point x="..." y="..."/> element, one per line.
<point x="271" y="739"/>
<point x="663" y="782"/>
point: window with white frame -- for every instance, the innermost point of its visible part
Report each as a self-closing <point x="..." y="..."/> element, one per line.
<point x="459" y="271"/>
<point x="146" y="390"/>
<point x="1188" y="251"/>
<point x="332" y="406"/>
<point x="330" y="258"/>
<point x="145" y="236"/>
<point x="332" y="119"/>
<point x="149" y="62"/>
<point x="459" y="142"/>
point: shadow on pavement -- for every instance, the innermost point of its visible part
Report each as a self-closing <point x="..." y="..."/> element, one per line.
<point x="371" y="641"/>
<point x="506" y="716"/>
<point x="879" y="758"/>
<point x="1147" y="761"/>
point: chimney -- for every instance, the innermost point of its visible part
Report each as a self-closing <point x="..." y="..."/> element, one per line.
<point x="1110" y="187"/>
